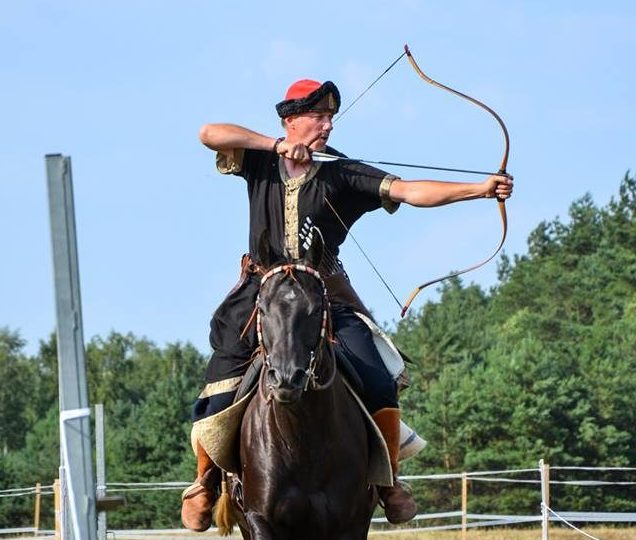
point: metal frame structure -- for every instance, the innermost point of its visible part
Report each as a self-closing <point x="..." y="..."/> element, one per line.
<point x="75" y="433"/>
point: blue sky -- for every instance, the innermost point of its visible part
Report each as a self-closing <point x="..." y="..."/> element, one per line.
<point x="123" y="87"/>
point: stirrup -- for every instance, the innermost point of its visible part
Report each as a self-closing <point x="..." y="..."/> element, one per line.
<point x="188" y="492"/>
<point x="403" y="484"/>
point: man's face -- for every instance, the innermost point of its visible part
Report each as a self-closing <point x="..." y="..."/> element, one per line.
<point x="311" y="128"/>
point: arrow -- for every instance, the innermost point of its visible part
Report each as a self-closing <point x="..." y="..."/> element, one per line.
<point x="323" y="157"/>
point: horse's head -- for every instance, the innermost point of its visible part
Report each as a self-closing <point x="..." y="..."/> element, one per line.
<point x="292" y="320"/>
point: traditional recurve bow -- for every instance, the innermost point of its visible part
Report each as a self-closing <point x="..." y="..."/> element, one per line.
<point x="319" y="156"/>
<point x="502" y="171"/>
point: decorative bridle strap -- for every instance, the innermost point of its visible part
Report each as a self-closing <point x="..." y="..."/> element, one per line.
<point x="289" y="270"/>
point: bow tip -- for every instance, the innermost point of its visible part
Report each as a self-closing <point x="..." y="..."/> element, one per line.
<point x="407" y="50"/>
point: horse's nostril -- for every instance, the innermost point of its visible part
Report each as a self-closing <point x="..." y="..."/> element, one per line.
<point x="298" y="378"/>
<point x="274" y="378"/>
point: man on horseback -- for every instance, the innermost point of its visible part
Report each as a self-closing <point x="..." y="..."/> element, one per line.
<point x="288" y="190"/>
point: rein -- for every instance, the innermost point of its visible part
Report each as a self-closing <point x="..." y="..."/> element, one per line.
<point x="315" y="354"/>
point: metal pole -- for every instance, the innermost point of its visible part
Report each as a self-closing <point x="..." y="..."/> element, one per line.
<point x="100" y="458"/>
<point x="75" y="435"/>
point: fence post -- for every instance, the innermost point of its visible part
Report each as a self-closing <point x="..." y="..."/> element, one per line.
<point x="545" y="499"/>
<point x="36" y="510"/>
<point x="464" y="505"/>
<point x="57" y="495"/>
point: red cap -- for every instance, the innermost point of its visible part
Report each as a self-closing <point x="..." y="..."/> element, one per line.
<point x="301" y="89"/>
<point x="304" y="95"/>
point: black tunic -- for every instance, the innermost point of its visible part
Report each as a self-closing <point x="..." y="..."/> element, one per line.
<point x="282" y="206"/>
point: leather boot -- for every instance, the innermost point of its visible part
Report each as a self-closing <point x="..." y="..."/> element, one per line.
<point x="198" y="499"/>
<point x="399" y="505"/>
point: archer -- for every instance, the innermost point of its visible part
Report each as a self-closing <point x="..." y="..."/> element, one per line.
<point x="289" y="196"/>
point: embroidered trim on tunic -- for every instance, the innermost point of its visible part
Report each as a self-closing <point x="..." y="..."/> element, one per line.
<point x="290" y="208"/>
<point x="389" y="205"/>
<point x="230" y="161"/>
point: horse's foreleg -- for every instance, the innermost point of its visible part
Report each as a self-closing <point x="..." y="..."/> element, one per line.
<point x="259" y="528"/>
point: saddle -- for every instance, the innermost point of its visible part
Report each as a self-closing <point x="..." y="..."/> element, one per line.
<point x="219" y="434"/>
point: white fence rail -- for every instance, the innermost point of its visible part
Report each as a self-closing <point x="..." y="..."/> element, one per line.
<point x="457" y="519"/>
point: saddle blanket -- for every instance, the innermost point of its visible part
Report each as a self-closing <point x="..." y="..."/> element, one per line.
<point x="219" y="435"/>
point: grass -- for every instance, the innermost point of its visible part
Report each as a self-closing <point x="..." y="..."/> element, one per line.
<point x="556" y="533"/>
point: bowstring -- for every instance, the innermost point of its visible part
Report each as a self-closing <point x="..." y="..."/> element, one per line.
<point x="361" y="95"/>
<point x="347" y="229"/>
<point x="377" y="272"/>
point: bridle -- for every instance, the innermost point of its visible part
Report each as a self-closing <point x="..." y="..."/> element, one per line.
<point x="316" y="353"/>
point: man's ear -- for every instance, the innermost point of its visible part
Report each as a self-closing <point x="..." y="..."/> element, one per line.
<point x="288" y="122"/>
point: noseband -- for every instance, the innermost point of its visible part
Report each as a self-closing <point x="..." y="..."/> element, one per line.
<point x="315" y="355"/>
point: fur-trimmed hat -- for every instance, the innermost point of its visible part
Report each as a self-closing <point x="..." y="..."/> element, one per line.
<point x="304" y="95"/>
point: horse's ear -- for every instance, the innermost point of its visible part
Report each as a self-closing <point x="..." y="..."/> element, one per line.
<point x="316" y="249"/>
<point x="266" y="254"/>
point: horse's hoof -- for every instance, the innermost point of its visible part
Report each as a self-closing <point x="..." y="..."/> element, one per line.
<point x="196" y="508"/>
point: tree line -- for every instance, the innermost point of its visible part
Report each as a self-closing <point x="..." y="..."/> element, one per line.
<point x="542" y="365"/>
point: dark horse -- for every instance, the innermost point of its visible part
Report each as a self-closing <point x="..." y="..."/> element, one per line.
<point x="304" y="442"/>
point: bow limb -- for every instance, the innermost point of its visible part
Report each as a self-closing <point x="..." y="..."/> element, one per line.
<point x="502" y="170"/>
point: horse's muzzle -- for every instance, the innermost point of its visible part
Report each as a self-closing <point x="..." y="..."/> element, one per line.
<point x="283" y="387"/>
